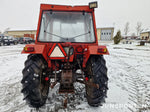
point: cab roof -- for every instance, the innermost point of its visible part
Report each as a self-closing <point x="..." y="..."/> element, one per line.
<point x="65" y="8"/>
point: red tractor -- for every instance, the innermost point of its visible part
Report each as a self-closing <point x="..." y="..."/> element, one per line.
<point x="66" y="51"/>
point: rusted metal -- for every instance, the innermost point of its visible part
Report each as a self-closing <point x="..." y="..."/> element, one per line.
<point x="67" y="66"/>
<point x="66" y="83"/>
<point x="66" y="77"/>
<point x="66" y="90"/>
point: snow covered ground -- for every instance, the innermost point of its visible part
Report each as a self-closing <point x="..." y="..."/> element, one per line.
<point x="129" y="82"/>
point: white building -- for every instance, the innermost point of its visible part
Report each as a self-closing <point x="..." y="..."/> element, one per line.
<point x="105" y="34"/>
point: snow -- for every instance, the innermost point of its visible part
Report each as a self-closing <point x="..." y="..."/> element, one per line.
<point x="129" y="82"/>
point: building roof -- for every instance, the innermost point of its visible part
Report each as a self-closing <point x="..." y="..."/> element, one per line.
<point x="146" y="31"/>
<point x="19" y="30"/>
<point x="105" y="28"/>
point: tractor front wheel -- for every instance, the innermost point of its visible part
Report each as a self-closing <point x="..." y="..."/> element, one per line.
<point x="35" y="88"/>
<point x="97" y="74"/>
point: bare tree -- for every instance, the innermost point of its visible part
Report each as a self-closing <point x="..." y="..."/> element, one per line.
<point x="126" y="29"/>
<point x="133" y="34"/>
<point x="138" y="27"/>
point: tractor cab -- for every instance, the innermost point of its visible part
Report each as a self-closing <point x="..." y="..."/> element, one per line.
<point x="66" y="24"/>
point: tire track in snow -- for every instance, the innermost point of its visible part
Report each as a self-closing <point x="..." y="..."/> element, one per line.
<point x="9" y="95"/>
<point x="127" y="55"/>
<point x="139" y="92"/>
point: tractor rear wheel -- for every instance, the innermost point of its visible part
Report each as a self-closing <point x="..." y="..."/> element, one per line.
<point x="35" y="88"/>
<point x="97" y="74"/>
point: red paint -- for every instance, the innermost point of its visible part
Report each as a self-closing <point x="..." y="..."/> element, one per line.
<point x="79" y="49"/>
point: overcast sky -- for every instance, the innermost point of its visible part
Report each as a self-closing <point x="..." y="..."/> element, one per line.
<point x="23" y="14"/>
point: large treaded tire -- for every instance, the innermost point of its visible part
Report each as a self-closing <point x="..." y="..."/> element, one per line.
<point x="35" y="89"/>
<point x="97" y="74"/>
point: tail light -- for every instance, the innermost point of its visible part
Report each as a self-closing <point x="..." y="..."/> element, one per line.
<point x="79" y="49"/>
<point x="86" y="78"/>
<point x="28" y="49"/>
<point x="102" y="50"/>
<point x="46" y="78"/>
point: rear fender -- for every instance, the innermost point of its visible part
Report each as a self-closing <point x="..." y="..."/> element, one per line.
<point x="93" y="50"/>
<point x="38" y="49"/>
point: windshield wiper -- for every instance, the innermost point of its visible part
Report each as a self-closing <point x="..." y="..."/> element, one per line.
<point x="66" y="38"/>
<point x="55" y="35"/>
<point x="80" y="35"/>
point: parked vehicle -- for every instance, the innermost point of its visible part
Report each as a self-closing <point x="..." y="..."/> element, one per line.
<point x="26" y="40"/>
<point x="1" y="43"/>
<point x="66" y="42"/>
<point x="15" y="40"/>
<point x="7" y="40"/>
